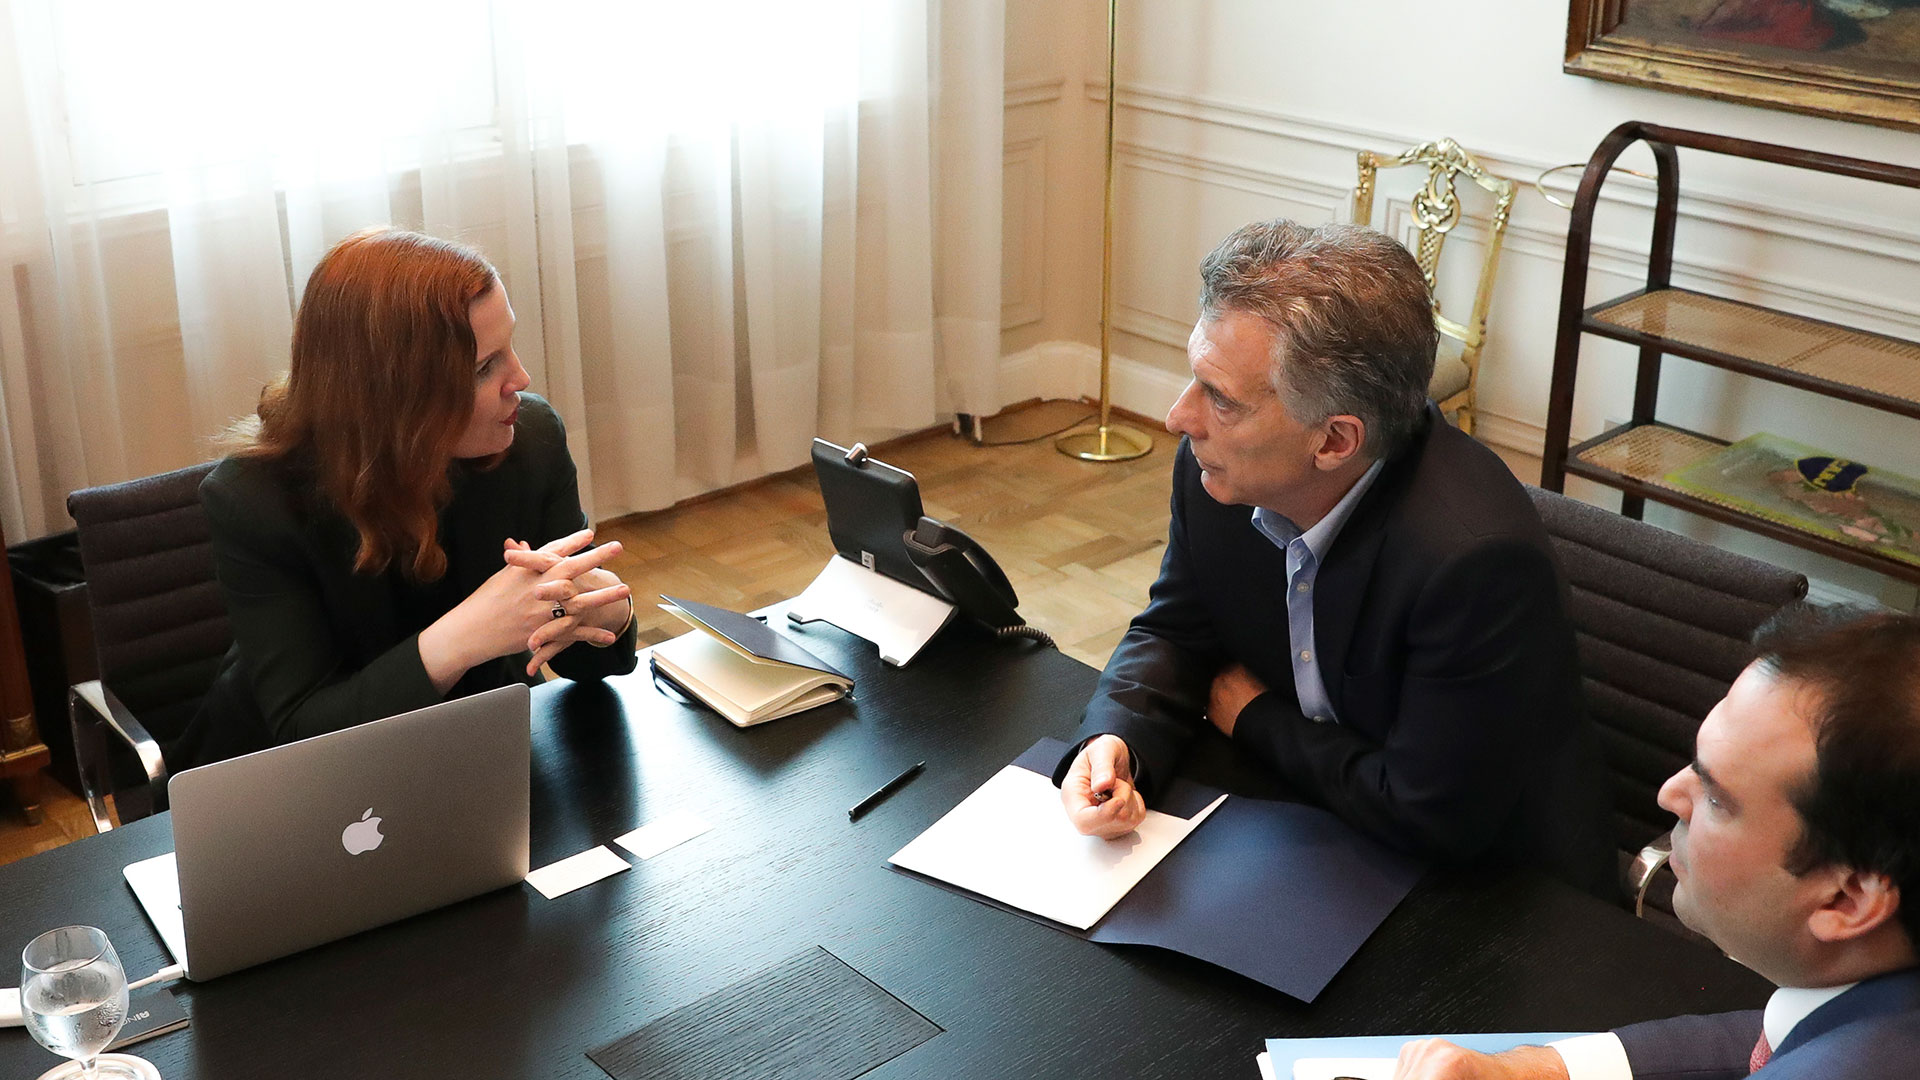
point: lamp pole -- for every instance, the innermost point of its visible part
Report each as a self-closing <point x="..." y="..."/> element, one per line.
<point x="1106" y="441"/>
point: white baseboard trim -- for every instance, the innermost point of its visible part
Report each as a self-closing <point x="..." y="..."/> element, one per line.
<point x="1051" y="369"/>
<point x="1071" y="370"/>
<point x="1507" y="433"/>
<point x="1141" y="388"/>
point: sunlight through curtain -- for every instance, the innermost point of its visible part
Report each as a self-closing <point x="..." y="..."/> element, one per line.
<point x="726" y="227"/>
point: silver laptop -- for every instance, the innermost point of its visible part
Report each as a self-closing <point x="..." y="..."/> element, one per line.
<point x="303" y="844"/>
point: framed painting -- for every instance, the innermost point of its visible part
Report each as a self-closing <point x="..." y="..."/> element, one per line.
<point x="1846" y="59"/>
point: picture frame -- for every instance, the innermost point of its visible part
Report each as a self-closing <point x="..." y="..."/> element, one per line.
<point x="1843" y="59"/>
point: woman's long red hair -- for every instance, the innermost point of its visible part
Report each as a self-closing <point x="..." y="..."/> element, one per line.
<point x="380" y="389"/>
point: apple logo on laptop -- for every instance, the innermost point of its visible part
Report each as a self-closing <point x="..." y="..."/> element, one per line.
<point x="362" y="836"/>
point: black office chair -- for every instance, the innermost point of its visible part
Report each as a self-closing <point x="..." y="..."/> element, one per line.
<point x="161" y="627"/>
<point x="1664" y="625"/>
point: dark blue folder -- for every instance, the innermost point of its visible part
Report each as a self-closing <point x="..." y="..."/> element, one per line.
<point x="1280" y="892"/>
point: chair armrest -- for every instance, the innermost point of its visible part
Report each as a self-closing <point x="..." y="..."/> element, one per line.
<point x="99" y="718"/>
<point x="1645" y="865"/>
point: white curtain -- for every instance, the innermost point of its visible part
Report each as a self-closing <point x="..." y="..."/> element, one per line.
<point x="726" y="227"/>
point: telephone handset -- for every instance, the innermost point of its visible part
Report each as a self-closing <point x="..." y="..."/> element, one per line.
<point x="962" y="572"/>
<point x="875" y="519"/>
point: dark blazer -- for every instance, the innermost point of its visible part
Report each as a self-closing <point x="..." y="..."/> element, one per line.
<point x="1443" y="639"/>
<point x="1871" y="1032"/>
<point x="318" y="647"/>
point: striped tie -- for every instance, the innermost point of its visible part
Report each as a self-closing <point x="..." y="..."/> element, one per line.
<point x="1761" y="1054"/>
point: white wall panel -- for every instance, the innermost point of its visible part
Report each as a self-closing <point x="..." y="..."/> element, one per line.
<point x="1023" y="233"/>
<point x="1170" y="209"/>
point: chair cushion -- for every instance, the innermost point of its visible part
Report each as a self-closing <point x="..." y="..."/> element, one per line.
<point x="1450" y="374"/>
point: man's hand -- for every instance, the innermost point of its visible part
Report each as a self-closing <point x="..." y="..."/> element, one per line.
<point x="1233" y="687"/>
<point x="1438" y="1059"/>
<point x="1098" y="790"/>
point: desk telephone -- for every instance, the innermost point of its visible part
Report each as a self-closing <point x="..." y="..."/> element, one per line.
<point x="874" y="516"/>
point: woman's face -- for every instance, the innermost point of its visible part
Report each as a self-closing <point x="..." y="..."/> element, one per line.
<point x="498" y="377"/>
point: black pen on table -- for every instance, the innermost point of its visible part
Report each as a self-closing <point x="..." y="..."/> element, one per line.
<point x="886" y="789"/>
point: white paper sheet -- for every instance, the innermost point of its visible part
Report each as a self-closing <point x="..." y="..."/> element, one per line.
<point x="1010" y="841"/>
<point x="657" y="836"/>
<point x="574" y="871"/>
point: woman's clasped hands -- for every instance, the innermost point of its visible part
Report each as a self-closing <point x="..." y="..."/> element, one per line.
<point x="580" y="599"/>
<point x="543" y="600"/>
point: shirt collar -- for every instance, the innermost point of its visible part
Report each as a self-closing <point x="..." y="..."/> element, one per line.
<point x="1319" y="538"/>
<point x="1791" y="1004"/>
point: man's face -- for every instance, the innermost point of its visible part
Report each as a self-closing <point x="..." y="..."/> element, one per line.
<point x="1250" y="449"/>
<point x="1738" y="823"/>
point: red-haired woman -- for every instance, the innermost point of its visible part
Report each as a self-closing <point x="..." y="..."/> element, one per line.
<point x="401" y="523"/>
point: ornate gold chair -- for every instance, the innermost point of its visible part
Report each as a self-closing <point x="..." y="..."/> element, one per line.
<point x="1435" y="211"/>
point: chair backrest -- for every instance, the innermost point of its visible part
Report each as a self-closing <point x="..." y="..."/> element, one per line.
<point x="1435" y="212"/>
<point x="158" y="617"/>
<point x="1664" y="625"/>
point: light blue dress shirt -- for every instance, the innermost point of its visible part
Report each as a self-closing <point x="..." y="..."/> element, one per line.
<point x="1305" y="550"/>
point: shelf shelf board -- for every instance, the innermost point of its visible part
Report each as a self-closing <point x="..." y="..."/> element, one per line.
<point x="1825" y="358"/>
<point x="1637" y="458"/>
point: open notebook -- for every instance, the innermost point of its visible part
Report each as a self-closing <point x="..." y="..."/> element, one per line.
<point x="741" y="668"/>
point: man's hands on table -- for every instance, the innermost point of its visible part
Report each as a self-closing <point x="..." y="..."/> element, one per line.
<point x="1098" y="791"/>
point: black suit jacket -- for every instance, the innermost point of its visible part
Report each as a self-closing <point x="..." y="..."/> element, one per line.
<point x="318" y="647"/>
<point x="1443" y="640"/>
<point x="1871" y="1032"/>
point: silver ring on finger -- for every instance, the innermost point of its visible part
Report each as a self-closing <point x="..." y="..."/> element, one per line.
<point x="559" y="610"/>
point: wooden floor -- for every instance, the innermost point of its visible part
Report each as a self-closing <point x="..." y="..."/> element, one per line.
<point x="64" y="818"/>
<point x="1080" y="542"/>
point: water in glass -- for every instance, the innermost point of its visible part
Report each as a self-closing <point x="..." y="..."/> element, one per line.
<point x="77" y="1008"/>
<point x="73" y="993"/>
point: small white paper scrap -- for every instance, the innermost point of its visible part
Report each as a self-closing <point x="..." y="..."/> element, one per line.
<point x="657" y="836"/>
<point x="570" y="873"/>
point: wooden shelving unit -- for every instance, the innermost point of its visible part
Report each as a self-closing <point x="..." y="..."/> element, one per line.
<point x="1820" y="357"/>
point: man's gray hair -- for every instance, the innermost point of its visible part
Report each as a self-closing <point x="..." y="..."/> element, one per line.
<point x="1352" y="320"/>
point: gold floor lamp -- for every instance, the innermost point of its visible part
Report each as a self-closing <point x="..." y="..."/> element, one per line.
<point x="1106" y="441"/>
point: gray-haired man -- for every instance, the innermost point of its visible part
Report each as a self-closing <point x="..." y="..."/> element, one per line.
<point x="1358" y="595"/>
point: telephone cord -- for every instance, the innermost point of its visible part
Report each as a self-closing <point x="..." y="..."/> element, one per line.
<point x="1026" y="631"/>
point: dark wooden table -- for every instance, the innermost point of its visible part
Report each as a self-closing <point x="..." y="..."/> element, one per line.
<point x="513" y="985"/>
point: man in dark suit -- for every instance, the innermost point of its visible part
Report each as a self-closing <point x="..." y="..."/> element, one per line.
<point x="1798" y="839"/>
<point x="1360" y="597"/>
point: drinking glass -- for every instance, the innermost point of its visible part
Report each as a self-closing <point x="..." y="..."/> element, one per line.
<point x="73" y="995"/>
